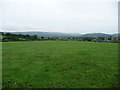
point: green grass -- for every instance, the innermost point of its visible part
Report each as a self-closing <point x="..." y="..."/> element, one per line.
<point x="1" y="37"/>
<point x="60" y="64"/>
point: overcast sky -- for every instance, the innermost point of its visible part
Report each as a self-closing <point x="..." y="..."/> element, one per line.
<point x="72" y="16"/>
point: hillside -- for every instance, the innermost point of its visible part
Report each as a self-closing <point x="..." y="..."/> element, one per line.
<point x="48" y="34"/>
<point x="59" y="34"/>
<point x="96" y="35"/>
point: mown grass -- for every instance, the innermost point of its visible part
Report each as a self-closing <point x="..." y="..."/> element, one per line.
<point x="60" y="64"/>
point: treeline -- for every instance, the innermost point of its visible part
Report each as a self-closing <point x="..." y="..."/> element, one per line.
<point x="20" y="37"/>
<point x="17" y="37"/>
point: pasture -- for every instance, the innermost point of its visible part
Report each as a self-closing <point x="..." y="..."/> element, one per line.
<point x="59" y="64"/>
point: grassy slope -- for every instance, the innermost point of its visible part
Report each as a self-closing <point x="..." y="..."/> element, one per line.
<point x="60" y="64"/>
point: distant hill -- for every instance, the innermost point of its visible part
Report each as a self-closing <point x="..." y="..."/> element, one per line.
<point x="58" y="34"/>
<point x="48" y="34"/>
<point x="96" y="35"/>
<point x="115" y="35"/>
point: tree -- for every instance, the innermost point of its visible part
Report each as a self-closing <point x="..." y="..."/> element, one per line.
<point x="34" y="37"/>
<point x="42" y="38"/>
<point x="1" y="33"/>
<point x="110" y="38"/>
<point x="8" y="34"/>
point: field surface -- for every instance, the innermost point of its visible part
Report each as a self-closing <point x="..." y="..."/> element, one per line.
<point x="59" y="64"/>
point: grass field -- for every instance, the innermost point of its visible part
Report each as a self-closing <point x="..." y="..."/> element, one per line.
<point x="60" y="64"/>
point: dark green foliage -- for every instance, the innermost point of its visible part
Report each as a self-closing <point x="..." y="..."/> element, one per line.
<point x="42" y="38"/>
<point x="18" y="37"/>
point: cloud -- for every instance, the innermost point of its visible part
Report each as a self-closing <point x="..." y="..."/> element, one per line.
<point x="50" y="1"/>
<point x="60" y="15"/>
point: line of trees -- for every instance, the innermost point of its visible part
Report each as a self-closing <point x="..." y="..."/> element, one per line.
<point x="19" y="37"/>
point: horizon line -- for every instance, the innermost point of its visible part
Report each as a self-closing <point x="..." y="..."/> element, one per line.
<point x="63" y="32"/>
